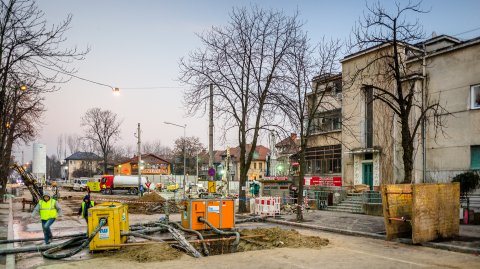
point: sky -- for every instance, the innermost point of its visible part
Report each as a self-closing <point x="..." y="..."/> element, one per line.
<point x="138" y="44"/>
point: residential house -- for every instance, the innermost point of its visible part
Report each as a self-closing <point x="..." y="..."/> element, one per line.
<point x="285" y="149"/>
<point x="150" y="165"/>
<point x="82" y="164"/>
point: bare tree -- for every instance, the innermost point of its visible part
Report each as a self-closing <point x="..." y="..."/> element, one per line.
<point x="102" y="128"/>
<point x="74" y="143"/>
<point x="242" y="60"/>
<point x="388" y="76"/>
<point x="301" y="102"/>
<point x="188" y="148"/>
<point x="158" y="149"/>
<point x="31" y="60"/>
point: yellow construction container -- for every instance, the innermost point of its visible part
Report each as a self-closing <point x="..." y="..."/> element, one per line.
<point x="116" y="215"/>
<point x="219" y="212"/>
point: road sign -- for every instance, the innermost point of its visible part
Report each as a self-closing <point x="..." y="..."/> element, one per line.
<point x="212" y="186"/>
<point x="211" y="172"/>
<point x="148" y="184"/>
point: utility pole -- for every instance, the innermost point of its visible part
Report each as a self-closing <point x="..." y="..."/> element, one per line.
<point x="210" y="130"/>
<point x="139" y="143"/>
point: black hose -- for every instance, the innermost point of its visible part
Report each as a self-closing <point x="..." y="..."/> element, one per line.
<point x="40" y="238"/>
<point x="49" y="253"/>
<point x="237" y="235"/>
<point x="257" y="218"/>
<point x="199" y="235"/>
<point x="137" y="234"/>
<point x="37" y="248"/>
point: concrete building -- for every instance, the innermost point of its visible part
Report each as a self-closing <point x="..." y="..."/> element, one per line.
<point x="285" y="150"/>
<point x="371" y="148"/>
<point x="453" y="78"/>
<point x="324" y="151"/>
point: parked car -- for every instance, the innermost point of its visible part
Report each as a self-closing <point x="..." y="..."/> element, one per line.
<point x="80" y="184"/>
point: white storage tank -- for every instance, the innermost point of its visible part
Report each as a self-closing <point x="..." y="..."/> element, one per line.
<point x="39" y="165"/>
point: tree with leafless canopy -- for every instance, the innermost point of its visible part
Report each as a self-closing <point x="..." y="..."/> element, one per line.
<point x="32" y="62"/>
<point x="102" y="128"/>
<point x="242" y="60"/>
<point x="300" y="102"/>
<point x="393" y="83"/>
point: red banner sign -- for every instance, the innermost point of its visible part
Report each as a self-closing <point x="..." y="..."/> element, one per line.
<point x="323" y="181"/>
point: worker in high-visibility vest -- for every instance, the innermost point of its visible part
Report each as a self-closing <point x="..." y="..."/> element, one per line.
<point x="49" y="209"/>
<point x="86" y="204"/>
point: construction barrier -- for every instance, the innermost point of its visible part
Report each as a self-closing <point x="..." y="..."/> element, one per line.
<point x="267" y="206"/>
<point x="422" y="212"/>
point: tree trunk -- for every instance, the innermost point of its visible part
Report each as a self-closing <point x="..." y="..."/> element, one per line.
<point x="301" y="177"/>
<point x="407" y="147"/>
<point x="242" y="205"/>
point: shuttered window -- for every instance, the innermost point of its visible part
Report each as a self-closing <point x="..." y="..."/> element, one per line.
<point x="475" y="157"/>
<point x="475" y="96"/>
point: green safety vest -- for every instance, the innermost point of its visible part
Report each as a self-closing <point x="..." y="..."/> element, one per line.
<point x="48" y="210"/>
<point x="83" y="207"/>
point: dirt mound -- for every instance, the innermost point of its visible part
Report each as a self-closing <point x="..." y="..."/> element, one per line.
<point x="151" y="197"/>
<point x="277" y="237"/>
<point x="148" y="253"/>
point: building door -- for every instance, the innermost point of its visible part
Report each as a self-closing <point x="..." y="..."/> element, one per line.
<point x="367" y="174"/>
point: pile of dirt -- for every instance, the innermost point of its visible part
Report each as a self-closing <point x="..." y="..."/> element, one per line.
<point x="277" y="237"/>
<point x="151" y="203"/>
<point x="149" y="253"/>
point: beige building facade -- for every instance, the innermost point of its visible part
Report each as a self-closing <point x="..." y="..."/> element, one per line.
<point x="371" y="140"/>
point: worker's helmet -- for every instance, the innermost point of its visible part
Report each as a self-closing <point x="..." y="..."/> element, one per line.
<point x="54" y="184"/>
<point x="45" y="193"/>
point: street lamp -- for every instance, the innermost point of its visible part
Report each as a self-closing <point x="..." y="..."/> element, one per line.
<point x="184" y="154"/>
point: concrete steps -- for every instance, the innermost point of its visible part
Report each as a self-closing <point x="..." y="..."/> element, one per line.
<point x="352" y="204"/>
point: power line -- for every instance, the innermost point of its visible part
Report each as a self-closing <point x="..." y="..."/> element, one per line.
<point x="103" y="84"/>
<point x="466" y="32"/>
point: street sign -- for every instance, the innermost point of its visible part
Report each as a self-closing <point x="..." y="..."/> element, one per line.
<point x="148" y="184"/>
<point x="211" y="172"/>
<point x="212" y="186"/>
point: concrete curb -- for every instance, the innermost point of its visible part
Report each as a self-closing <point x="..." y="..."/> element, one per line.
<point x="442" y="246"/>
<point x="10" y="259"/>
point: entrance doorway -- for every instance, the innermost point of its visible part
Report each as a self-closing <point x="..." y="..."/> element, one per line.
<point x="367" y="174"/>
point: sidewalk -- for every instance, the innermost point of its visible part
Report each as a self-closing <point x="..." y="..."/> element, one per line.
<point x="6" y="232"/>
<point x="373" y="226"/>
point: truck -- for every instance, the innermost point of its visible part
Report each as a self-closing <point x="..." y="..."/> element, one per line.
<point x="110" y="183"/>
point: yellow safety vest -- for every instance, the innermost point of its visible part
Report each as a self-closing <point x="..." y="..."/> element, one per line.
<point x="83" y="207"/>
<point x="48" y="210"/>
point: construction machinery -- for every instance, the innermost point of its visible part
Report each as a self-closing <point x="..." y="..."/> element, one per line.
<point x="30" y="182"/>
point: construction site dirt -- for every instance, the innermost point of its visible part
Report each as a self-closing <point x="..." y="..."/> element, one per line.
<point x="265" y="245"/>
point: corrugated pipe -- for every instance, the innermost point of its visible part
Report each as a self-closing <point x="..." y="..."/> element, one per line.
<point x="237" y="235"/>
<point x="199" y="235"/>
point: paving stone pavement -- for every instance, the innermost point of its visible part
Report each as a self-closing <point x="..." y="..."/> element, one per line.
<point x="469" y="234"/>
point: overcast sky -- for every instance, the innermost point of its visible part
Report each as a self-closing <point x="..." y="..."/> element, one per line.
<point x="138" y="44"/>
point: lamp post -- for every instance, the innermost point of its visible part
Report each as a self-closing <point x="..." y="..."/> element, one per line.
<point x="184" y="154"/>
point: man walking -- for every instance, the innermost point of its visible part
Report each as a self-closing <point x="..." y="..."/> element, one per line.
<point x="86" y="204"/>
<point x="48" y="209"/>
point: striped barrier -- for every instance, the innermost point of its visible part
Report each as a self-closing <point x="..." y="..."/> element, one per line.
<point x="267" y="206"/>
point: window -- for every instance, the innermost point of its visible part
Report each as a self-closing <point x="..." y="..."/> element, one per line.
<point x="475" y="157"/>
<point x="260" y="166"/>
<point x="254" y="165"/>
<point x="369" y="117"/>
<point x="324" y="160"/>
<point x="475" y="96"/>
<point x="327" y="122"/>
